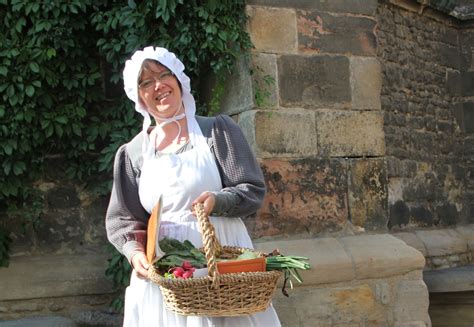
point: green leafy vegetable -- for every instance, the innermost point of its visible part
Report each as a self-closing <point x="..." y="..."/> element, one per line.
<point x="177" y="252"/>
<point x="289" y="265"/>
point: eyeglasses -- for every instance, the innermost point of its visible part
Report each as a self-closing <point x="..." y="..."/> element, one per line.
<point x="148" y="83"/>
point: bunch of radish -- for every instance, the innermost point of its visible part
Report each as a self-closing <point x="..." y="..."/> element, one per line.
<point x="186" y="270"/>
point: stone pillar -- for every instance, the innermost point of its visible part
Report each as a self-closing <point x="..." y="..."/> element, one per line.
<point x="308" y="100"/>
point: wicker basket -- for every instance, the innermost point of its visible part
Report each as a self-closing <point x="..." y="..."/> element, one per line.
<point x="217" y="295"/>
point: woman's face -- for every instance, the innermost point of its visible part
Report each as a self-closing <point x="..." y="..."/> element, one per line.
<point x="159" y="90"/>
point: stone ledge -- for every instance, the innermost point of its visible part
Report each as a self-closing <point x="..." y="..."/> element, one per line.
<point x="42" y="276"/>
<point x="442" y="248"/>
<point x="440" y="242"/>
<point x="335" y="260"/>
<point x="456" y="279"/>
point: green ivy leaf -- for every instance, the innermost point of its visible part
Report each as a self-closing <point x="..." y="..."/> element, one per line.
<point x="30" y="90"/>
<point x="34" y="67"/>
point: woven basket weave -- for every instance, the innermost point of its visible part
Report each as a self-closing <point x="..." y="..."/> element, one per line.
<point x="217" y="295"/>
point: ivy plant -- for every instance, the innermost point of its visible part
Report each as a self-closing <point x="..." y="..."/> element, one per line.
<point x="61" y="86"/>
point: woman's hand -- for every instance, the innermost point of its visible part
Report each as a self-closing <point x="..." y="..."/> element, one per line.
<point x="140" y="265"/>
<point x="208" y="199"/>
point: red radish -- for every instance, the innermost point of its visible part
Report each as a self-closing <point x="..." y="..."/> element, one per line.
<point x="178" y="272"/>
<point x="187" y="274"/>
<point x="186" y="265"/>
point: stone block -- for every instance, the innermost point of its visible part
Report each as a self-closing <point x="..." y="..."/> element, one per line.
<point x="329" y="261"/>
<point x="272" y="29"/>
<point x="412" y="302"/>
<point x="412" y="240"/>
<point x="46" y="321"/>
<point x="322" y="32"/>
<point x="447" y="213"/>
<point x="239" y="96"/>
<point x="363" y="7"/>
<point x="464" y="114"/>
<point x="368" y="193"/>
<point x="456" y="279"/>
<point x="467" y="232"/>
<point x="344" y="306"/>
<point x="314" y="82"/>
<point x="30" y="277"/>
<point x="366" y="83"/>
<point x="410" y="324"/>
<point x="350" y="133"/>
<point x="449" y="56"/>
<point x="280" y="133"/>
<point x="265" y="79"/>
<point x="399" y="214"/>
<point x="454" y="82"/>
<point x="372" y="260"/>
<point x="442" y="242"/>
<point x="62" y="197"/>
<point x="305" y="196"/>
<point x="467" y="83"/>
<point x="468" y="146"/>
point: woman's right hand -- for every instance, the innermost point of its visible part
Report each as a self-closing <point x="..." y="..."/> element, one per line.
<point x="140" y="265"/>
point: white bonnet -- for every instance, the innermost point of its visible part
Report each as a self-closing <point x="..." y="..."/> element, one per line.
<point x="167" y="59"/>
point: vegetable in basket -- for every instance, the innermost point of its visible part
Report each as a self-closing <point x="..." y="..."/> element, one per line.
<point x="176" y="253"/>
<point x="289" y="264"/>
<point x="181" y="256"/>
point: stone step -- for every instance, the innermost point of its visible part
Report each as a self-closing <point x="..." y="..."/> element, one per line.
<point x="456" y="279"/>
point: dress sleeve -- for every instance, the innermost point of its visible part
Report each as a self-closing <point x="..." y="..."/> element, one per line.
<point x="126" y="219"/>
<point x="243" y="183"/>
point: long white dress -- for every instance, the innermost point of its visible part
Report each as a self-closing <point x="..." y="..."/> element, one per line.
<point x="180" y="178"/>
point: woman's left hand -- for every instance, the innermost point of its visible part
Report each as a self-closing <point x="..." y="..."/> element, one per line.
<point x="208" y="199"/>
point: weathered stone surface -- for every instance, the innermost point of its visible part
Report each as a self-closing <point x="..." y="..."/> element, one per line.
<point x="366" y="83"/>
<point x="272" y="30"/>
<point x="329" y="261"/>
<point x="411" y="240"/>
<point x="54" y="276"/>
<point x="343" y="133"/>
<point x="464" y="113"/>
<point x="371" y="260"/>
<point x="442" y="242"/>
<point x="304" y="196"/>
<point x="322" y="32"/>
<point x="344" y="306"/>
<point x="280" y="133"/>
<point x="410" y="324"/>
<point x="399" y="214"/>
<point x="314" y="82"/>
<point x="456" y="279"/>
<point x="51" y="321"/>
<point x="265" y="79"/>
<point x="364" y="7"/>
<point x="62" y="197"/>
<point x="368" y="193"/>
<point x="239" y="94"/>
<point x="421" y="71"/>
<point x="467" y="232"/>
<point x="454" y="82"/>
<point x="411" y="302"/>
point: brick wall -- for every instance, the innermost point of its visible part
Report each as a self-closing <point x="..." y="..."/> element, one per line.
<point x="425" y="143"/>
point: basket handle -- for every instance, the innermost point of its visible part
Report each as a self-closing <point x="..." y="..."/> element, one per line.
<point x="211" y="245"/>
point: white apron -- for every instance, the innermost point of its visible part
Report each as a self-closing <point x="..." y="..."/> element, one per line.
<point x="181" y="178"/>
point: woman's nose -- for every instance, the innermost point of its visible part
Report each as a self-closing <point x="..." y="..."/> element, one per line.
<point x="158" y="84"/>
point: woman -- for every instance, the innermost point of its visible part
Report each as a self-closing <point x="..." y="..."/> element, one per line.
<point x="186" y="159"/>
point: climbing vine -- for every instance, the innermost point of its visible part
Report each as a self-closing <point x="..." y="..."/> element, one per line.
<point x="60" y="83"/>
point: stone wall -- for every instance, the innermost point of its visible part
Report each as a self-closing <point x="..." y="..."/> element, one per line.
<point x="318" y="131"/>
<point x="426" y="126"/>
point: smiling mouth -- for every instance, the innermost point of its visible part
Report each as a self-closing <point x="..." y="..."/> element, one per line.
<point x="162" y="96"/>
